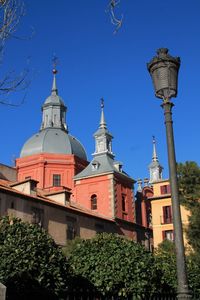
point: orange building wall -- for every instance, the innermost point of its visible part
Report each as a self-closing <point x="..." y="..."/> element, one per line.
<point x="41" y="167"/>
<point x="109" y="194"/>
<point x="158" y="201"/>
<point x="102" y="186"/>
<point x="126" y="190"/>
<point x="109" y="188"/>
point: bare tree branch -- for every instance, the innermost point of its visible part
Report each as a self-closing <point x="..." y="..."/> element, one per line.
<point x="117" y="22"/>
<point x="11" y="12"/>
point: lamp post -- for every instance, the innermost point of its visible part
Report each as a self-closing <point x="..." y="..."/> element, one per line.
<point x="163" y="69"/>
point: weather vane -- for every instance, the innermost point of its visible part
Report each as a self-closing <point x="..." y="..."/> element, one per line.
<point x="55" y="63"/>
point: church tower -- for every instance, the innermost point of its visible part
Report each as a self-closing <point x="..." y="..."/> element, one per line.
<point x="52" y="156"/>
<point x="53" y="109"/>
<point x="103" y="186"/>
<point x="155" y="168"/>
<point x="103" y="139"/>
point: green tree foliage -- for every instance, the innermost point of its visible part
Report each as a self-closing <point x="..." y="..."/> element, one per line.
<point x="113" y="264"/>
<point x="193" y="267"/>
<point x="193" y="230"/>
<point x="189" y="183"/>
<point x="71" y="245"/>
<point x="189" y="186"/>
<point x="31" y="265"/>
<point x="165" y="266"/>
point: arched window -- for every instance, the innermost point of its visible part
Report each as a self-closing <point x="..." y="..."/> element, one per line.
<point x="94" y="202"/>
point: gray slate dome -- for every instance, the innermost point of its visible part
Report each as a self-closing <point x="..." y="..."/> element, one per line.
<point x="53" y="140"/>
<point x="53" y="136"/>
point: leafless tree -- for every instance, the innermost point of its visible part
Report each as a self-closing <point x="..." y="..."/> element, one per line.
<point x="11" y="12"/>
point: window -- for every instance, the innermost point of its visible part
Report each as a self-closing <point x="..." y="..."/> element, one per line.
<point x="168" y="235"/>
<point x="94" y="202"/>
<point x="71" y="228"/>
<point x="71" y="233"/>
<point x="165" y="189"/>
<point x="12" y="206"/>
<point x="167" y="214"/>
<point x="33" y="185"/>
<point x="100" y="146"/>
<point x="95" y="165"/>
<point x="123" y="203"/>
<point x="56" y="180"/>
<point x="38" y="216"/>
<point x="149" y="216"/>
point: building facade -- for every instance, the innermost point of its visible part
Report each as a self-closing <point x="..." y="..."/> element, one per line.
<point x="60" y="190"/>
<point x="161" y="209"/>
<point x="155" y="204"/>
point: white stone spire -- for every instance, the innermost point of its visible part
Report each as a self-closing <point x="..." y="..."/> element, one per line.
<point x="154" y="156"/>
<point x="155" y="168"/>
<point x="102" y="120"/>
<point x="102" y="136"/>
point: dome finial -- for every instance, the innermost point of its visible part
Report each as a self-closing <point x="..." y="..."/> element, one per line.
<point x="54" y="71"/>
<point x="102" y="120"/>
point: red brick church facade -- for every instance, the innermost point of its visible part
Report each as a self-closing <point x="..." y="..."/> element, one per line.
<point x="56" y="163"/>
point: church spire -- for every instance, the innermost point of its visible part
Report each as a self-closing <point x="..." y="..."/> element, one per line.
<point x="53" y="109"/>
<point x="102" y="120"/>
<point x="154" y="157"/>
<point x="103" y="138"/>
<point x="155" y="168"/>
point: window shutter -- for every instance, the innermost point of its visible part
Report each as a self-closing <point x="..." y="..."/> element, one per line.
<point x="162" y="189"/>
<point x="164" y="214"/>
<point x="168" y="189"/>
<point x="170" y="213"/>
<point x="163" y="235"/>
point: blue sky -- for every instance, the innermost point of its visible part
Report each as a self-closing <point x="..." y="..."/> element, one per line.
<point x="95" y="63"/>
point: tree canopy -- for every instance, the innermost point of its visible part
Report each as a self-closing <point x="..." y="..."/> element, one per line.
<point x="165" y="262"/>
<point x="193" y="230"/>
<point x="113" y="264"/>
<point x="30" y="262"/>
<point x="165" y="265"/>
<point x="189" y="183"/>
<point x="189" y="187"/>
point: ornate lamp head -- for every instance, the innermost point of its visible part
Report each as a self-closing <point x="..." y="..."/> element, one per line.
<point x="163" y="69"/>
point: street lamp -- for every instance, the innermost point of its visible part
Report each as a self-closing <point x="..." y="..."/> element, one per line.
<point x="163" y="69"/>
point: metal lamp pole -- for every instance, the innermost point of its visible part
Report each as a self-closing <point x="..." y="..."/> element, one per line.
<point x="163" y="69"/>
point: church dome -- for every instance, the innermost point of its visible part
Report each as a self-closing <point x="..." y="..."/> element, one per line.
<point x="53" y="140"/>
<point x="53" y="136"/>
